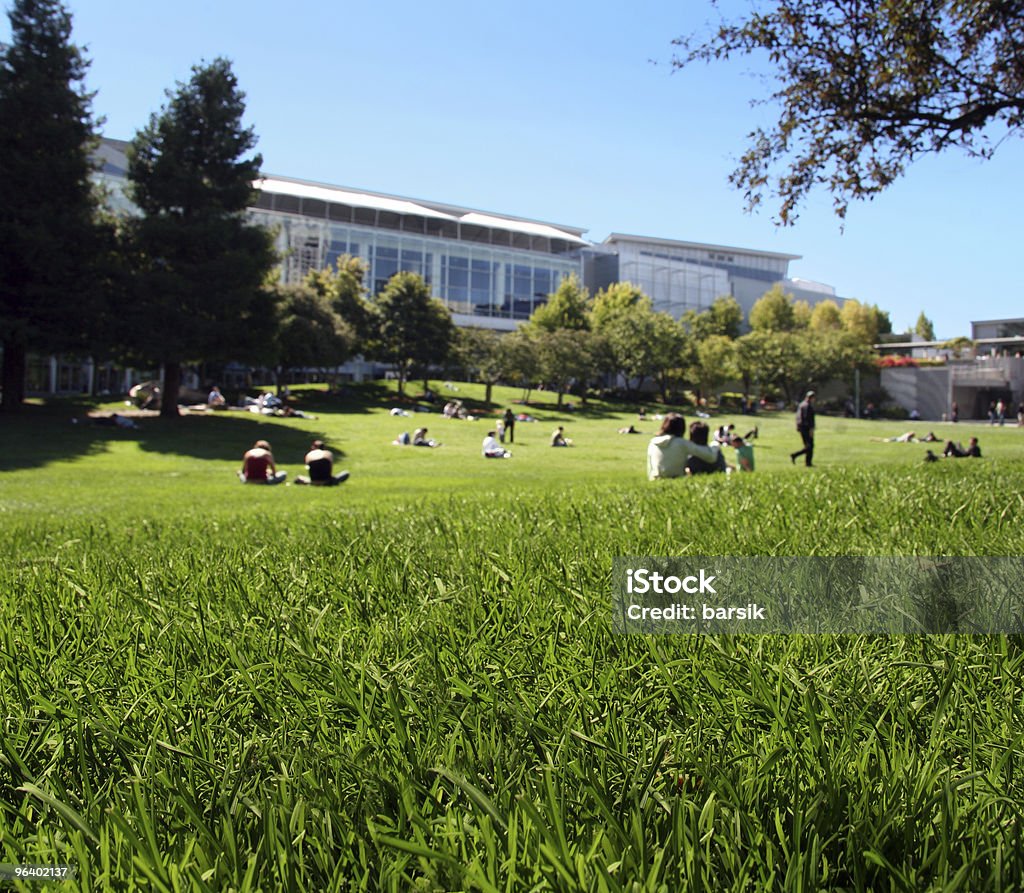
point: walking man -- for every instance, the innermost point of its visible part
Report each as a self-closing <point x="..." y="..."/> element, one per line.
<point x="805" y="426"/>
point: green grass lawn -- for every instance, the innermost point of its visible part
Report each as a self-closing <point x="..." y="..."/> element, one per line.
<point x="410" y="682"/>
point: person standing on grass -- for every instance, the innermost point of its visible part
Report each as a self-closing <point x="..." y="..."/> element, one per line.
<point x="320" y="464"/>
<point x="510" y="425"/>
<point x="805" y="427"/>
<point x="258" y="466"/>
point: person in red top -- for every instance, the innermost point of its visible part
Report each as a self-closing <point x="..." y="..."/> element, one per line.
<point x="258" y="466"/>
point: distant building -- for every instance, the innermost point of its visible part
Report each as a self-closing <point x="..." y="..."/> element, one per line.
<point x="491" y="270"/>
<point x="681" y="276"/>
<point x="974" y="377"/>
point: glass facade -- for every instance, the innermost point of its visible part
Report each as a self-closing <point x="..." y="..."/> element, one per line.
<point x="470" y="278"/>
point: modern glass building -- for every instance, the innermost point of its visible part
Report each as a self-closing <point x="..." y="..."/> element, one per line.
<point x="490" y="270"/>
<point x="681" y="276"/>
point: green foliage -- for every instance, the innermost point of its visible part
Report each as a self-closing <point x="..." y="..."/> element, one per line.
<point x="412" y="329"/>
<point x="489" y="356"/>
<point x="523" y="366"/>
<point x="50" y="240"/>
<point x="801" y="315"/>
<point x="566" y="358"/>
<point x="959" y="345"/>
<point x="864" y="321"/>
<point x="716" y="361"/>
<point x="723" y="317"/>
<point x="309" y="331"/>
<point x="773" y="312"/>
<point x="565" y="309"/>
<point x="825" y="317"/>
<point x="345" y="288"/>
<point x="673" y="350"/>
<point x="635" y="342"/>
<point x="615" y="301"/>
<point x="863" y="89"/>
<point x="201" y="265"/>
<point x="924" y="328"/>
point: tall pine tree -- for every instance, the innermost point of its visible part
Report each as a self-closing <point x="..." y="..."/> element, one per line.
<point x="199" y="291"/>
<point x="48" y="232"/>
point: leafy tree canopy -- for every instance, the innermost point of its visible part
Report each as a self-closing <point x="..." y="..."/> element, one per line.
<point x="924" y="328"/>
<point x="865" y="87"/>
<point x="617" y="299"/>
<point x="345" y="288"/>
<point x="723" y="317"/>
<point x="773" y="312"/>
<point x="565" y="309"/>
<point x="825" y="317"/>
<point x="412" y="328"/>
<point x="309" y="331"/>
<point x="864" y="321"/>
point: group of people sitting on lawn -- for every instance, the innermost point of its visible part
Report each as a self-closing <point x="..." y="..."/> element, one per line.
<point x="671" y="454"/>
<point x="258" y="467"/>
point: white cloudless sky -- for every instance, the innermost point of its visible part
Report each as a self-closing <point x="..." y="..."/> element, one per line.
<point x="562" y="111"/>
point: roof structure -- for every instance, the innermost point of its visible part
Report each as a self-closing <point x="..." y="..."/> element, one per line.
<point x="700" y="246"/>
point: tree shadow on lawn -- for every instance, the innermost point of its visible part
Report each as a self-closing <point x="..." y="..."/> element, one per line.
<point x="363" y="398"/>
<point x="44" y="434"/>
<point x="220" y="437"/>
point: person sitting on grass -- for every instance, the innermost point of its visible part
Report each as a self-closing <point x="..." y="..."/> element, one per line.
<point x="320" y="464"/>
<point x="744" y="454"/>
<point x="957" y="451"/>
<point x="491" y="449"/>
<point x="419" y="438"/>
<point x="258" y="466"/>
<point x="669" y="451"/>
<point x="558" y="438"/>
<point x="699" y="432"/>
<point x="216" y="399"/>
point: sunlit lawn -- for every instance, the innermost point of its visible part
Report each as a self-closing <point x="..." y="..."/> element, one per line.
<point x="410" y="682"/>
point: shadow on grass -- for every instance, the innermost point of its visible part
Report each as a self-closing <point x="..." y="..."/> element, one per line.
<point x="43" y="434"/>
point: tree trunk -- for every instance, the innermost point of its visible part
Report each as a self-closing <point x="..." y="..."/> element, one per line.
<point x="13" y="377"/>
<point x="169" y="394"/>
<point x="487" y="393"/>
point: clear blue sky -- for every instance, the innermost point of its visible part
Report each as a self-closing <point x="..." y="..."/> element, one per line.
<point x="555" y="111"/>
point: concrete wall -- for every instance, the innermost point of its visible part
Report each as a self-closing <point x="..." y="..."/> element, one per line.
<point x="924" y="389"/>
